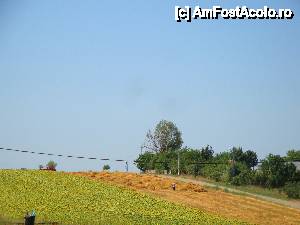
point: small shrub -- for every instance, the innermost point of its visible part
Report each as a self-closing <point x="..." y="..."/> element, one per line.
<point x="259" y="178"/>
<point x="51" y="165"/>
<point x="240" y="174"/>
<point x="106" y="167"/>
<point x="292" y="190"/>
<point x="216" y="172"/>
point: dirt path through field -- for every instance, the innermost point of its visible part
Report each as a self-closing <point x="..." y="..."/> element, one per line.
<point x="192" y="194"/>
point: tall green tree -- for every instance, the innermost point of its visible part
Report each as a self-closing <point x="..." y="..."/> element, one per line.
<point x="293" y="155"/>
<point x="189" y="159"/>
<point x="165" y="137"/>
<point x="236" y="154"/>
<point x="145" y="161"/>
<point x="207" y="153"/>
<point x="276" y="172"/>
<point x="250" y="158"/>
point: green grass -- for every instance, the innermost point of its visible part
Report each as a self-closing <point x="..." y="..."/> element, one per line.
<point x="77" y="200"/>
<point x="274" y="193"/>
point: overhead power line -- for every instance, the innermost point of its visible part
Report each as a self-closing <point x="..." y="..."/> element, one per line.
<point x="61" y="155"/>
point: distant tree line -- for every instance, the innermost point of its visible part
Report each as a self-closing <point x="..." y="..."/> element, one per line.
<point x="163" y="150"/>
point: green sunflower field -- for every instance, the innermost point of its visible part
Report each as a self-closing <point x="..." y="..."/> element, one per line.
<point x="74" y="200"/>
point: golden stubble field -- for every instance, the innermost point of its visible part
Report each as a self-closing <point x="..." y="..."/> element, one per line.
<point x="218" y="202"/>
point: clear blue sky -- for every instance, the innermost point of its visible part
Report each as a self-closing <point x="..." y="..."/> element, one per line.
<point x="91" y="77"/>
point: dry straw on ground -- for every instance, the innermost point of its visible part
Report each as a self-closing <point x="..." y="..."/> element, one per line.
<point x="221" y="203"/>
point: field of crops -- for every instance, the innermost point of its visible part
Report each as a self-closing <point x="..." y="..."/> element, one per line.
<point x="77" y="200"/>
<point x="254" y="211"/>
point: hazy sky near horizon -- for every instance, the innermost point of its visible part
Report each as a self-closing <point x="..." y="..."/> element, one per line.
<point x="91" y="77"/>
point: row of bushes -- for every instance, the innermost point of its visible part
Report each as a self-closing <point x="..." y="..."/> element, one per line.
<point x="235" y="167"/>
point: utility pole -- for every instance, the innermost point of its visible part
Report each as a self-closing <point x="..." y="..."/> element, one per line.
<point x="178" y="164"/>
<point x="126" y="166"/>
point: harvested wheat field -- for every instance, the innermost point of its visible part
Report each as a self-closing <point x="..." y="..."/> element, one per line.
<point x="218" y="202"/>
